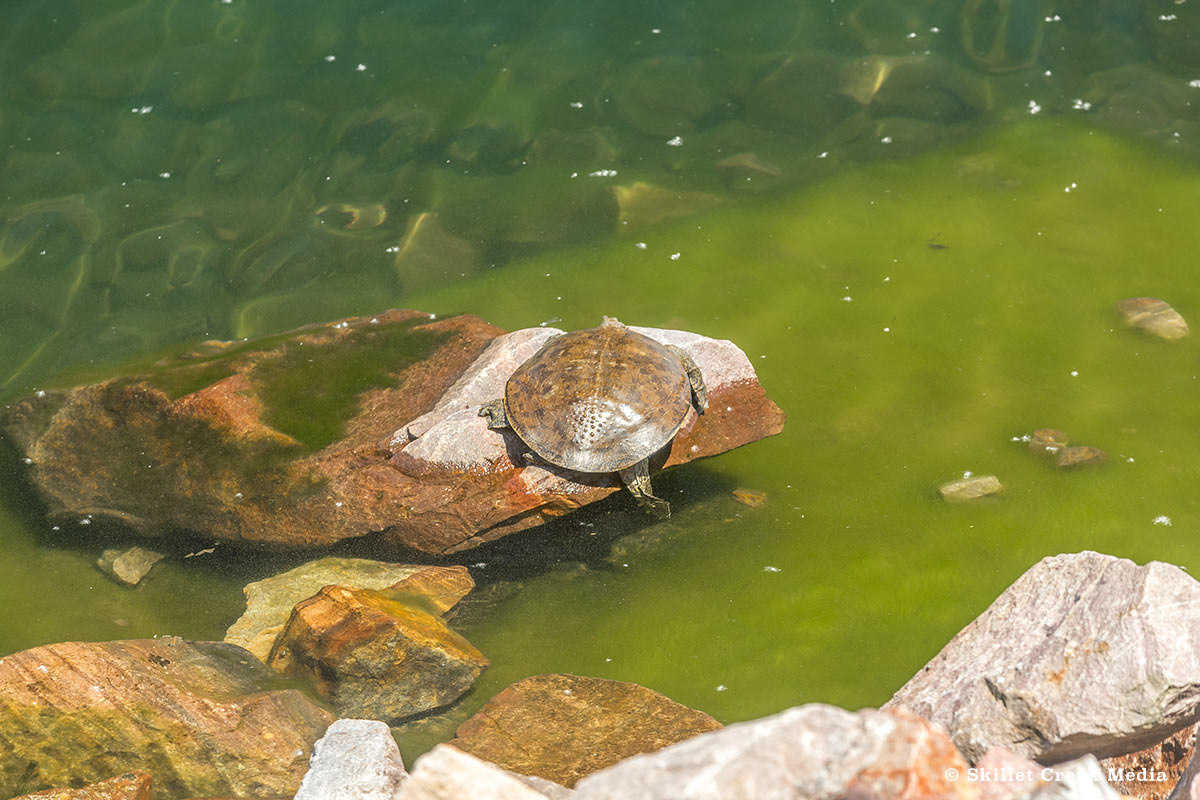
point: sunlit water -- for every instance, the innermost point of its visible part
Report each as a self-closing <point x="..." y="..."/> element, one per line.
<point x="919" y="253"/>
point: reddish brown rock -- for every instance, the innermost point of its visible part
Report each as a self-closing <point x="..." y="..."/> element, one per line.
<point x="374" y="657"/>
<point x="195" y="715"/>
<point x="562" y="727"/>
<point x="130" y="786"/>
<point x="1048" y="440"/>
<point x="1152" y="774"/>
<point x="336" y="431"/>
<point x="1079" y="456"/>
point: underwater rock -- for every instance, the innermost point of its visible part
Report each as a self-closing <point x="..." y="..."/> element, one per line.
<point x="182" y="711"/>
<point x="970" y="488"/>
<point x="334" y="432"/>
<point x="135" y="785"/>
<point x="1084" y="653"/>
<point x="356" y="759"/>
<point x="1154" y="316"/>
<point x="813" y="750"/>
<point x="750" y="497"/>
<point x="269" y="602"/>
<point x="447" y="773"/>
<point x="1079" y="456"/>
<point x="128" y="566"/>
<point x="375" y="657"/>
<point x="563" y="727"/>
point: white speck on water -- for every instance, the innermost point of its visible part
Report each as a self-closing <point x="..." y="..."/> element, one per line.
<point x="1034" y="108"/>
<point x="575" y="104"/>
<point x="675" y="256"/>
<point x="1054" y="18"/>
<point x="27" y="460"/>
<point x="40" y="393"/>
<point x="1079" y="104"/>
<point x="722" y="687"/>
<point x="393" y="249"/>
<point x="361" y="68"/>
<point x="607" y="660"/>
<point x="771" y="569"/>
<point x="603" y="173"/>
<point x="823" y="154"/>
<point x="164" y="174"/>
<point x="1161" y="519"/>
<point x="676" y="141"/>
<point x="1167" y="17"/>
<point x="640" y="245"/>
<point x="374" y="320"/>
<point x="656" y="30"/>
<point x="886" y="140"/>
<point x="887" y="330"/>
<point x="85" y="521"/>
<point x="1195" y="84"/>
<point x="142" y="109"/>
<point x="911" y="35"/>
<point x="968" y="474"/>
<point x="1074" y="373"/>
<point x="1072" y="186"/>
<point x="847" y="299"/>
<point x="331" y="59"/>
<point x="1129" y="460"/>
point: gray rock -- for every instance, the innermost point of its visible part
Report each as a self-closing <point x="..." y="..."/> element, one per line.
<point x="970" y="488"/>
<point x="1153" y="316"/>
<point x="811" y="751"/>
<point x="1083" y="653"/>
<point x="447" y="773"/>
<point x="356" y="759"/>
<point x="1081" y="779"/>
<point x="128" y="566"/>
<point x="269" y="602"/>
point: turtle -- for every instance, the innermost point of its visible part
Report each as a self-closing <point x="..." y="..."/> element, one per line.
<point x="599" y="400"/>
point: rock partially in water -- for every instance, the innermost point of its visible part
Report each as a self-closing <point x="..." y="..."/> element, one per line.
<point x="809" y="751"/>
<point x="332" y="432"/>
<point x="447" y="773"/>
<point x="269" y="602"/>
<point x="1084" y="653"/>
<point x="374" y="657"/>
<point x="1154" y="316"/>
<point x="1048" y="440"/>
<point x="128" y="566"/>
<point x="135" y="785"/>
<point x="563" y="727"/>
<point x="1079" y="456"/>
<point x="80" y="712"/>
<point x="356" y="759"/>
<point x="970" y="488"/>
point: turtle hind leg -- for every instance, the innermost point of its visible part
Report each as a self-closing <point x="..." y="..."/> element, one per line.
<point x="637" y="478"/>
<point x="695" y="378"/>
<point x="496" y="413"/>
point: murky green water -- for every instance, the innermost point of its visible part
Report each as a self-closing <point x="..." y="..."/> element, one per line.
<point x="921" y="258"/>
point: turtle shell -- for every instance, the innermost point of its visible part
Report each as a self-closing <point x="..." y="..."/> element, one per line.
<point x="598" y="400"/>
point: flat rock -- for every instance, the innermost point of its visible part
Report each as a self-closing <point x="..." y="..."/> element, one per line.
<point x="184" y="712"/>
<point x="446" y="773"/>
<point x="135" y="785"/>
<point x="374" y="657"/>
<point x="1084" y="653"/>
<point x="970" y="488"/>
<point x="810" y="751"/>
<point x="1153" y="316"/>
<point x="128" y="566"/>
<point x="562" y="727"/>
<point x="356" y="759"/>
<point x="363" y="426"/>
<point x="1079" y="456"/>
<point x="269" y="602"/>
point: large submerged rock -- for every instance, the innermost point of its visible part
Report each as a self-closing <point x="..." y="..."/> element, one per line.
<point x="195" y="715"/>
<point x="336" y="431"/>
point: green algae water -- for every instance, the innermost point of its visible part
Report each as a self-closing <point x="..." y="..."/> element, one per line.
<point x="916" y="220"/>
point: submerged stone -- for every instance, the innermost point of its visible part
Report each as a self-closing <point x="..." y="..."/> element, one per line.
<point x="970" y="488"/>
<point x="135" y="785"/>
<point x="128" y="566"/>
<point x="1048" y="440"/>
<point x="80" y="712"/>
<point x="1079" y="456"/>
<point x="563" y="727"/>
<point x="1153" y="316"/>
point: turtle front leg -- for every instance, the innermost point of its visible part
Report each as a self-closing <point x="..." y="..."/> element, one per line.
<point x="637" y="478"/>
<point x="496" y="413"/>
<point x="695" y="378"/>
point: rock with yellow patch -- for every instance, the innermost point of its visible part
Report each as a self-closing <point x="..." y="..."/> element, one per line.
<point x="1153" y="316"/>
<point x="374" y="657"/>
<point x="1084" y="653"/>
